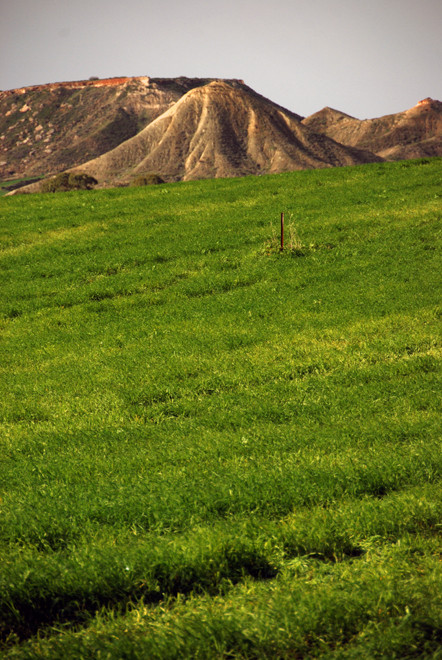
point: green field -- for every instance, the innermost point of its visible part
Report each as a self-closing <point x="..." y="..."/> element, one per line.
<point x="210" y="449"/>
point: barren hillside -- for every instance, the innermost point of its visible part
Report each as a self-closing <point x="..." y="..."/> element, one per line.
<point x="415" y="133"/>
<point x="48" y="128"/>
<point x="220" y="131"/>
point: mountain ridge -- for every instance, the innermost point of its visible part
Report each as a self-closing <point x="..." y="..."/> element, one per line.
<point x="413" y="133"/>
<point x="45" y="129"/>
<point x="183" y="128"/>
<point x="220" y="130"/>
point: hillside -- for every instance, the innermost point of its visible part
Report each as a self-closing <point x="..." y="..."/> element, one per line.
<point x="191" y="128"/>
<point x="48" y="128"/>
<point x="212" y="449"/>
<point x="415" y="133"/>
<point x="220" y="130"/>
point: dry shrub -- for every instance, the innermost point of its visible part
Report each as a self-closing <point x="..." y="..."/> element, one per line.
<point x="147" y="180"/>
<point x="68" y="181"/>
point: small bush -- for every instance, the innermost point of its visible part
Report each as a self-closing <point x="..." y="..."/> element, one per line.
<point x="147" y="180"/>
<point x="68" y="181"/>
<point x="82" y="181"/>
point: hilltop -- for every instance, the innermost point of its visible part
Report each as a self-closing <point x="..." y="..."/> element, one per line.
<point x="219" y="130"/>
<point x="45" y="129"/>
<point x="190" y="128"/>
<point x="415" y="133"/>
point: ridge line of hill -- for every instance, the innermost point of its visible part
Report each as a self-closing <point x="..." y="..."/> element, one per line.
<point x="412" y="133"/>
<point x="184" y="128"/>
<point x="219" y="130"/>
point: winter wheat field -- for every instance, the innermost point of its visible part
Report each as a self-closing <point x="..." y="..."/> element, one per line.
<point x="212" y="449"/>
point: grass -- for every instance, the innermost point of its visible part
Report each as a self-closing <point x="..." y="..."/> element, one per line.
<point x="11" y="184"/>
<point x="211" y="449"/>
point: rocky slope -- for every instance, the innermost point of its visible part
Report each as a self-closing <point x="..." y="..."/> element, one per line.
<point x="221" y="130"/>
<point x="415" y="133"/>
<point x="48" y="128"/>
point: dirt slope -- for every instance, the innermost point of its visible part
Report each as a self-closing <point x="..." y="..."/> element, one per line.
<point x="326" y="119"/>
<point x="415" y="133"/>
<point x="221" y="130"/>
<point x="48" y="128"/>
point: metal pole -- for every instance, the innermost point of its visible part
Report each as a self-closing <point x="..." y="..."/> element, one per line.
<point x="282" y="232"/>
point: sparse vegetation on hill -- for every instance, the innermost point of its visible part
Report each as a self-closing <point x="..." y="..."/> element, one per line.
<point x="147" y="180"/>
<point x="209" y="451"/>
<point x="68" y="181"/>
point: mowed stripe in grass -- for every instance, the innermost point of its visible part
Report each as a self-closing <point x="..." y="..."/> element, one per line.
<point x="179" y="399"/>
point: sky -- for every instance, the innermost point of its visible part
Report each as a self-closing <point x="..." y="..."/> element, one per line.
<point x="367" y="58"/>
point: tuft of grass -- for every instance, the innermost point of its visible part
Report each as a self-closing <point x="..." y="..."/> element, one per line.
<point x="293" y="245"/>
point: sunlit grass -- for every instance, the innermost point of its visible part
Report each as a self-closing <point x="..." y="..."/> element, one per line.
<point x="211" y="451"/>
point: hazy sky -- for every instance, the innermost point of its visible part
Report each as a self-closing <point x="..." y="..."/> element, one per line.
<point x="365" y="57"/>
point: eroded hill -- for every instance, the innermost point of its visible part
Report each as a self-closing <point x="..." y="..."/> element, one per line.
<point x="48" y="128"/>
<point x="191" y="128"/>
<point x="221" y="130"/>
<point x="415" y="133"/>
